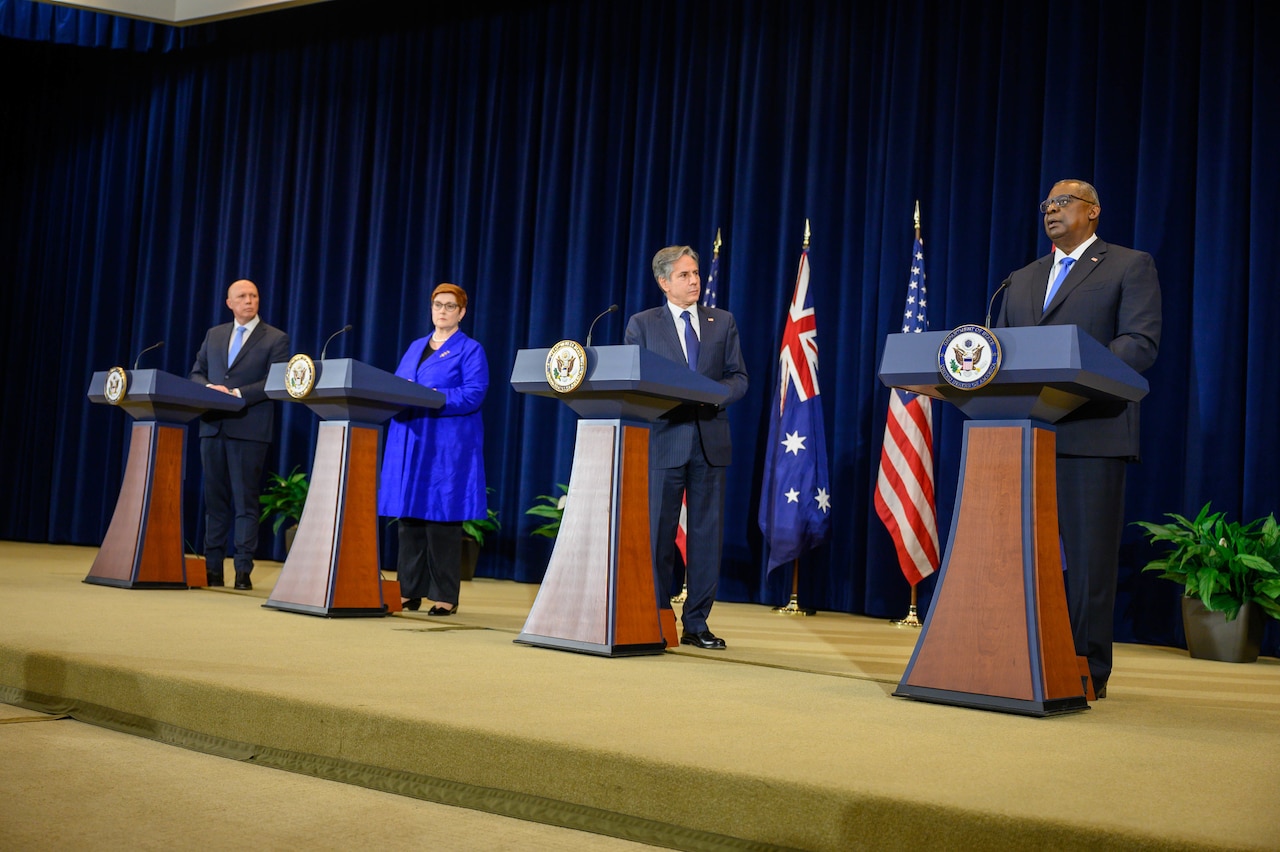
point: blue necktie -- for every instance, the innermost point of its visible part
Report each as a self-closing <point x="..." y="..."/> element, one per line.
<point x="1065" y="263"/>
<point x="236" y="343"/>
<point x="690" y="340"/>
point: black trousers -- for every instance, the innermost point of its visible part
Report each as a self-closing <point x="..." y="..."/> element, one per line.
<point x="703" y="487"/>
<point x="429" y="564"/>
<point x="1091" y="520"/>
<point x="232" y="482"/>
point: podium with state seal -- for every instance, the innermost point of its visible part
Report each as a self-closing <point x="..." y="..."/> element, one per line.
<point x="997" y="636"/>
<point x="143" y="545"/>
<point x="599" y="595"/>
<point x="332" y="568"/>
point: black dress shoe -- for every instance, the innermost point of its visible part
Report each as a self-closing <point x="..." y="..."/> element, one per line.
<point x="214" y="580"/>
<point x="412" y="604"/>
<point x="242" y="581"/>
<point x="706" y="639"/>
<point x="1100" y="691"/>
<point x="439" y="610"/>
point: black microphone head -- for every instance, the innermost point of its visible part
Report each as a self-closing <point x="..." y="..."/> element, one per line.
<point x="348" y="327"/>
<point x="613" y="309"/>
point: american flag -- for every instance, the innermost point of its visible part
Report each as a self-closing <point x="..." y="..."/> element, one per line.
<point x="708" y="301"/>
<point x="795" y="496"/>
<point x="904" y="487"/>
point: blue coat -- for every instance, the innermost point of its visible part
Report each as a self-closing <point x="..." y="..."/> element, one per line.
<point x="433" y="465"/>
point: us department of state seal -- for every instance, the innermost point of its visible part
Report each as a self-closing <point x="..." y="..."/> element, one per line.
<point x="969" y="357"/>
<point x="566" y="366"/>
<point x="116" y="385"/>
<point x="300" y="376"/>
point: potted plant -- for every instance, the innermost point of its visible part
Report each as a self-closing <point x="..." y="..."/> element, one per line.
<point x="284" y="497"/>
<point x="1230" y="574"/>
<point x="551" y="508"/>
<point x="473" y="533"/>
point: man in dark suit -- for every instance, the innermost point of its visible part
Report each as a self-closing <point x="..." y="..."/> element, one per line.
<point x="235" y="358"/>
<point x="689" y="447"/>
<point x="1113" y="294"/>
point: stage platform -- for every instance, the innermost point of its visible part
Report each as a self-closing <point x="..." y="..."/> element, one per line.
<point x="789" y="739"/>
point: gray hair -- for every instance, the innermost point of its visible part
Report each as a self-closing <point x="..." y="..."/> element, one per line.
<point x="667" y="257"/>
<point x="1090" y="194"/>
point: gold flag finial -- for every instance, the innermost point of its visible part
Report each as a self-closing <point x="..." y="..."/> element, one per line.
<point x="715" y="249"/>
<point x="807" y="233"/>
<point x="917" y="217"/>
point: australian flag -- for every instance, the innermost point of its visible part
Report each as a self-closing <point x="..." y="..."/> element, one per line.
<point x="795" y="499"/>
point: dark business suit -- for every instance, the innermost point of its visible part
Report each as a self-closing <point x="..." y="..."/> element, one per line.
<point x="1113" y="294"/>
<point x="689" y="448"/>
<point x="233" y="445"/>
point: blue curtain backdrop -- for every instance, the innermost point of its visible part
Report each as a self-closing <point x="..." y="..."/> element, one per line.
<point x="349" y="156"/>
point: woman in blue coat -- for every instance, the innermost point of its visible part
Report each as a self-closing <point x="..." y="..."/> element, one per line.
<point x="433" y="466"/>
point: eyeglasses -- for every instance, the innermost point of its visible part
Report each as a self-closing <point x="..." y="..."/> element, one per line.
<point x="1060" y="201"/>
<point x="447" y="307"/>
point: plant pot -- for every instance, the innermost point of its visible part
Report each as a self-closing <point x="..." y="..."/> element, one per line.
<point x="470" y="553"/>
<point x="1211" y="637"/>
<point x="288" y="538"/>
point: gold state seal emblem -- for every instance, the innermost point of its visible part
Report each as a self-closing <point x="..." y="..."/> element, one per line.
<point x="969" y="357"/>
<point x="566" y="366"/>
<point x="300" y="376"/>
<point x="116" y="385"/>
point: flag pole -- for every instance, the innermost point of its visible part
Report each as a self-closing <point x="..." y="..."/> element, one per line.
<point x="793" y="606"/>
<point x="913" y="617"/>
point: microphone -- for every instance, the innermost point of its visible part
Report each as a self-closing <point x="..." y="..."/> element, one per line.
<point x="325" y="348"/>
<point x="145" y="351"/>
<point x="992" y="303"/>
<point x="612" y="309"/>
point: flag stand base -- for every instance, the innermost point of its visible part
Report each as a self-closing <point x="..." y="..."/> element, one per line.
<point x="912" y="619"/>
<point x="793" y="608"/>
<point x="683" y="596"/>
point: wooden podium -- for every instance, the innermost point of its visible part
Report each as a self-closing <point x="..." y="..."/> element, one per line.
<point x="143" y="545"/>
<point x="599" y="594"/>
<point x="332" y="568"/>
<point x="997" y="636"/>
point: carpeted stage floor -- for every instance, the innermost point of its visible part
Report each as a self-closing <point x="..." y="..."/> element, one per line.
<point x="789" y="739"/>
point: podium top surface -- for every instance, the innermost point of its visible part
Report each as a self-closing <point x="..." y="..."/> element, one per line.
<point x="347" y="389"/>
<point x="622" y="382"/>
<point x="1046" y="372"/>
<point x="160" y="395"/>
<point x="625" y="368"/>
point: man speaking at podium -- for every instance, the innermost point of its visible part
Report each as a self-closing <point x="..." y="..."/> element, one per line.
<point x="1113" y="294"/>
<point x="235" y="358"/>
<point x="689" y="446"/>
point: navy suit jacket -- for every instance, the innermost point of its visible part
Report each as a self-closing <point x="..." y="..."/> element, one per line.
<point x="673" y="437"/>
<point x="1113" y="294"/>
<point x="266" y="346"/>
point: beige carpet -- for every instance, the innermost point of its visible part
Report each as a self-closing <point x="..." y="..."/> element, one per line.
<point x="72" y="786"/>
<point x="788" y="739"/>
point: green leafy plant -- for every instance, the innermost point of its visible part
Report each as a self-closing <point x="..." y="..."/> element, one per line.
<point x="284" y="497"/>
<point x="1225" y="564"/>
<point x="551" y="508"/>
<point x="479" y="527"/>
